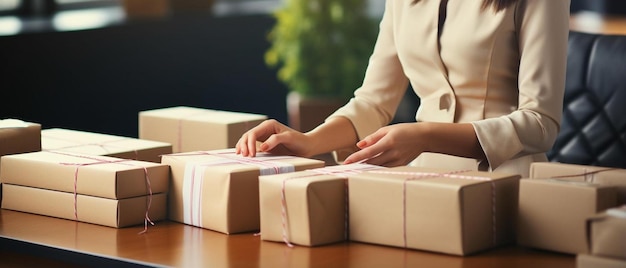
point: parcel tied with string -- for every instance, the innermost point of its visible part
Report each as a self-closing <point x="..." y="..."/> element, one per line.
<point x="553" y="213"/>
<point x="445" y="211"/>
<point x="115" y="213"/>
<point x="307" y="208"/>
<point x="100" y="176"/>
<point x="102" y="190"/>
<point x="193" y="129"/>
<point x="92" y="143"/>
<point x="17" y="136"/>
<point x="606" y="176"/>
<point x="606" y="233"/>
<point x="219" y="190"/>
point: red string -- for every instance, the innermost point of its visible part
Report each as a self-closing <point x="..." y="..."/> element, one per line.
<point x="454" y="174"/>
<point x="342" y="173"/>
<point x="232" y="158"/>
<point x="105" y="145"/>
<point x="105" y="161"/>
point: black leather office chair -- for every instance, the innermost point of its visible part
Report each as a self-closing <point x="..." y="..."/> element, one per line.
<point x="593" y="129"/>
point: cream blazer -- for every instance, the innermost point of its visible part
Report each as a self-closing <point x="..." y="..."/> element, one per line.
<point x="502" y="71"/>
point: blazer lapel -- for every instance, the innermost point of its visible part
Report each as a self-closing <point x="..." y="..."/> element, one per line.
<point x="437" y="60"/>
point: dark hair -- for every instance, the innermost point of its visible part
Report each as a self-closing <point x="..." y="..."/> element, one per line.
<point x="497" y="4"/>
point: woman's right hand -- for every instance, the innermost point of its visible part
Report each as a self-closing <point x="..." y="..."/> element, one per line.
<point x="275" y="138"/>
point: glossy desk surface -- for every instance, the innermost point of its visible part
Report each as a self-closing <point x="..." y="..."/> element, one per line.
<point x="177" y="245"/>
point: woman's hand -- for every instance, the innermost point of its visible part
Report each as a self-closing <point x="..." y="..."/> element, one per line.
<point x="392" y="145"/>
<point x="276" y="138"/>
<point x="399" y="144"/>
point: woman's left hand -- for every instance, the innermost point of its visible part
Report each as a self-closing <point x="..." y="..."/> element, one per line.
<point x="393" y="145"/>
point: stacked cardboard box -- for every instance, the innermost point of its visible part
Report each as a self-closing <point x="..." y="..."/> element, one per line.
<point x="452" y="212"/>
<point x="17" y="136"/>
<point x="606" y="176"/>
<point x="606" y="233"/>
<point x="84" y="142"/>
<point x="219" y="190"/>
<point x="102" y="190"/>
<point x="308" y="208"/>
<point x="196" y="129"/>
<point x="558" y="198"/>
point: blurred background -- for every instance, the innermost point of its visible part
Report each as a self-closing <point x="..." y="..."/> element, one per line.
<point x="92" y="65"/>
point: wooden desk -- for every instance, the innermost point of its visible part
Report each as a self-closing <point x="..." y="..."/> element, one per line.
<point x="27" y="239"/>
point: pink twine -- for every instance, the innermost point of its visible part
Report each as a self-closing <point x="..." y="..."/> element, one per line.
<point x="233" y="158"/>
<point x="103" y="145"/>
<point x="179" y="130"/>
<point x="589" y="176"/>
<point x="319" y="172"/>
<point x="236" y="159"/>
<point x="104" y="161"/>
<point x="149" y="203"/>
<point x="453" y="174"/>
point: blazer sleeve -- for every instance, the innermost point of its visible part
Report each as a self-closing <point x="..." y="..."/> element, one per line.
<point x="374" y="104"/>
<point x="542" y="34"/>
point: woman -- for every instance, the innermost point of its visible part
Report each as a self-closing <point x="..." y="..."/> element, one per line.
<point x="490" y="75"/>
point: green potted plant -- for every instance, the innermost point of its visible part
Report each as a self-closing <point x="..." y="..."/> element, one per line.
<point x="321" y="49"/>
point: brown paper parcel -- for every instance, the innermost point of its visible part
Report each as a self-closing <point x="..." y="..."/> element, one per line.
<point x="591" y="261"/>
<point x="553" y="213"/>
<point x="99" y="176"/>
<point x="594" y="174"/>
<point x="219" y="190"/>
<point x="307" y="208"/>
<point x="17" y="136"/>
<point x="103" y="211"/>
<point x="607" y="233"/>
<point x="196" y="129"/>
<point x="90" y="143"/>
<point x="452" y="212"/>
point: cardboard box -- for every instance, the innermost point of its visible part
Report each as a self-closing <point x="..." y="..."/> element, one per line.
<point x="314" y="210"/>
<point x="219" y="190"/>
<point x="590" y="261"/>
<point x="606" y="232"/>
<point x="196" y="129"/>
<point x="99" y="176"/>
<point x="583" y="173"/>
<point x="108" y="212"/>
<point x="17" y="136"/>
<point x="552" y="213"/>
<point x="84" y="142"/>
<point x="452" y="212"/>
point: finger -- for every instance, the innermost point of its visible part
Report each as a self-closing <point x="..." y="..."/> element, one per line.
<point x="385" y="160"/>
<point x="370" y="139"/>
<point x="378" y="161"/>
<point x="240" y="147"/>
<point x="267" y="128"/>
<point x="251" y="145"/>
<point x="270" y="143"/>
<point x="247" y="144"/>
<point x="362" y="155"/>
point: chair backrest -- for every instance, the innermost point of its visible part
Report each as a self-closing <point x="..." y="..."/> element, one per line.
<point x="593" y="128"/>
